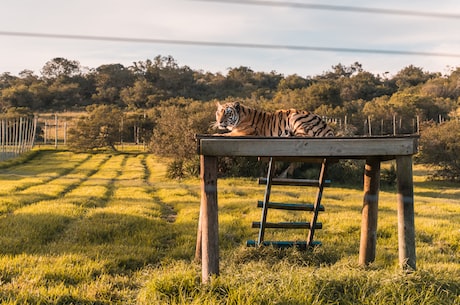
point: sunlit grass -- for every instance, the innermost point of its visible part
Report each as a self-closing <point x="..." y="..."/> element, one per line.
<point x="111" y="229"/>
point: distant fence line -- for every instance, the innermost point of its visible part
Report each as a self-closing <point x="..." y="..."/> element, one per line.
<point x="17" y="136"/>
<point x="52" y="129"/>
<point x="373" y="127"/>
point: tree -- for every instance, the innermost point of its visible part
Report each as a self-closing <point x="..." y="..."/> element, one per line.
<point x="364" y="85"/>
<point x="7" y="80"/>
<point x="342" y="71"/>
<point x="18" y="96"/>
<point x="292" y="82"/>
<point x="140" y="95"/>
<point x="110" y="80"/>
<point x="60" y="68"/>
<point x="100" y="128"/>
<point x="411" y="76"/>
<point x="322" y="92"/>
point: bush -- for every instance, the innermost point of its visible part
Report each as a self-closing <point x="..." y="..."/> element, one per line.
<point x="240" y="167"/>
<point x="176" y="127"/>
<point x="388" y="176"/>
<point x="439" y="146"/>
<point x="100" y="128"/>
<point x="181" y="168"/>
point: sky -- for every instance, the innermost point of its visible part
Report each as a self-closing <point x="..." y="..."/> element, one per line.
<point x="233" y="23"/>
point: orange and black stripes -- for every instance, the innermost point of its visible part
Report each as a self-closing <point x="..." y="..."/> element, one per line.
<point x="242" y="120"/>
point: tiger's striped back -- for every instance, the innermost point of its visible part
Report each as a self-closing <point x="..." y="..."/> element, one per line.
<point x="242" y="120"/>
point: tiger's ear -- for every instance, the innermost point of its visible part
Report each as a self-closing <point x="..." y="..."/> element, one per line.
<point x="237" y="106"/>
<point x="218" y="105"/>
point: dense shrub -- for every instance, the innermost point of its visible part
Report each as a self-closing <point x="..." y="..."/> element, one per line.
<point x="177" y="124"/>
<point x="100" y="128"/>
<point x="439" y="146"/>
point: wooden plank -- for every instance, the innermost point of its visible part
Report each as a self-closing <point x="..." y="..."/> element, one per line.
<point x="294" y="182"/>
<point x="209" y="221"/>
<point x="289" y="206"/>
<point x="369" y="212"/>
<point x="307" y="147"/>
<point x="287" y="225"/>
<point x="406" y="228"/>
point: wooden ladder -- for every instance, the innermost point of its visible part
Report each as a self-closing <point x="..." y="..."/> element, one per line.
<point x="315" y="208"/>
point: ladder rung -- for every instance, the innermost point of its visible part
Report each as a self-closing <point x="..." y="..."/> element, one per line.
<point x="290" y="206"/>
<point x="294" y="182"/>
<point x="284" y="244"/>
<point x="287" y="225"/>
<point x="310" y="160"/>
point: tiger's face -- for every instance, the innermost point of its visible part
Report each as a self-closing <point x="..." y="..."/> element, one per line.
<point x="227" y="115"/>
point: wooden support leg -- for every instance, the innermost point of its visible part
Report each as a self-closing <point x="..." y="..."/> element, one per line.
<point x="209" y="220"/>
<point x="369" y="212"/>
<point x="406" y="228"/>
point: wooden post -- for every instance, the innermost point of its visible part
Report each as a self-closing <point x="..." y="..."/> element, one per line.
<point x="209" y="220"/>
<point x="370" y="211"/>
<point x="394" y="124"/>
<point x="406" y="228"/>
<point x="65" y="132"/>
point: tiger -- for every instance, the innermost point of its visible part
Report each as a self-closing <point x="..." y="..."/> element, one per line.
<point x="245" y="121"/>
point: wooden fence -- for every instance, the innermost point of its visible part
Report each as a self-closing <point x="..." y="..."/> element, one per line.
<point x="17" y="136"/>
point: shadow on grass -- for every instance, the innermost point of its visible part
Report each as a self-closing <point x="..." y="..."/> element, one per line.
<point x="125" y="242"/>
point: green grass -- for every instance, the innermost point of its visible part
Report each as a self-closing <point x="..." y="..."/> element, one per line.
<point x="111" y="229"/>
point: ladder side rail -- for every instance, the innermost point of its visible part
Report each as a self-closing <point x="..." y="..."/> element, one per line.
<point x="316" y="209"/>
<point x="263" y="220"/>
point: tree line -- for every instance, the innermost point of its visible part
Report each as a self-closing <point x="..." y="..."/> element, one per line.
<point x="344" y="90"/>
<point x="173" y="102"/>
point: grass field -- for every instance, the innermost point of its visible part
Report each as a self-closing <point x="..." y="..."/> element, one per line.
<point x="111" y="229"/>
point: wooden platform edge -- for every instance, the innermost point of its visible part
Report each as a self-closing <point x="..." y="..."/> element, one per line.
<point x="331" y="147"/>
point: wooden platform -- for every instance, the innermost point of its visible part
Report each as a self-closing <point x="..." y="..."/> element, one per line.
<point x="372" y="149"/>
<point x="347" y="148"/>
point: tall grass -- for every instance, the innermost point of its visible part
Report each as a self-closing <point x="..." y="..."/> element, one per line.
<point x="111" y="229"/>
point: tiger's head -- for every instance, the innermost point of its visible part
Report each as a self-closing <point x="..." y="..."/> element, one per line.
<point x="227" y="115"/>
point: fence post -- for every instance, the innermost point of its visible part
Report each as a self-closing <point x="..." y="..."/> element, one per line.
<point x="65" y="132"/>
<point x="55" y="131"/>
<point x="394" y="124"/>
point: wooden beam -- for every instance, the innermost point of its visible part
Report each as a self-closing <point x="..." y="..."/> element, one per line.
<point x="406" y="228"/>
<point x="370" y="211"/>
<point x="209" y="221"/>
<point x="307" y="147"/>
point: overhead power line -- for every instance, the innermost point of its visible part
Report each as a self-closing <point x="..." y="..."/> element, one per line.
<point x="226" y="44"/>
<point x="342" y="8"/>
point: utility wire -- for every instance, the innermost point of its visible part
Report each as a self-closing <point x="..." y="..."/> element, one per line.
<point x="226" y="44"/>
<point x="342" y="8"/>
